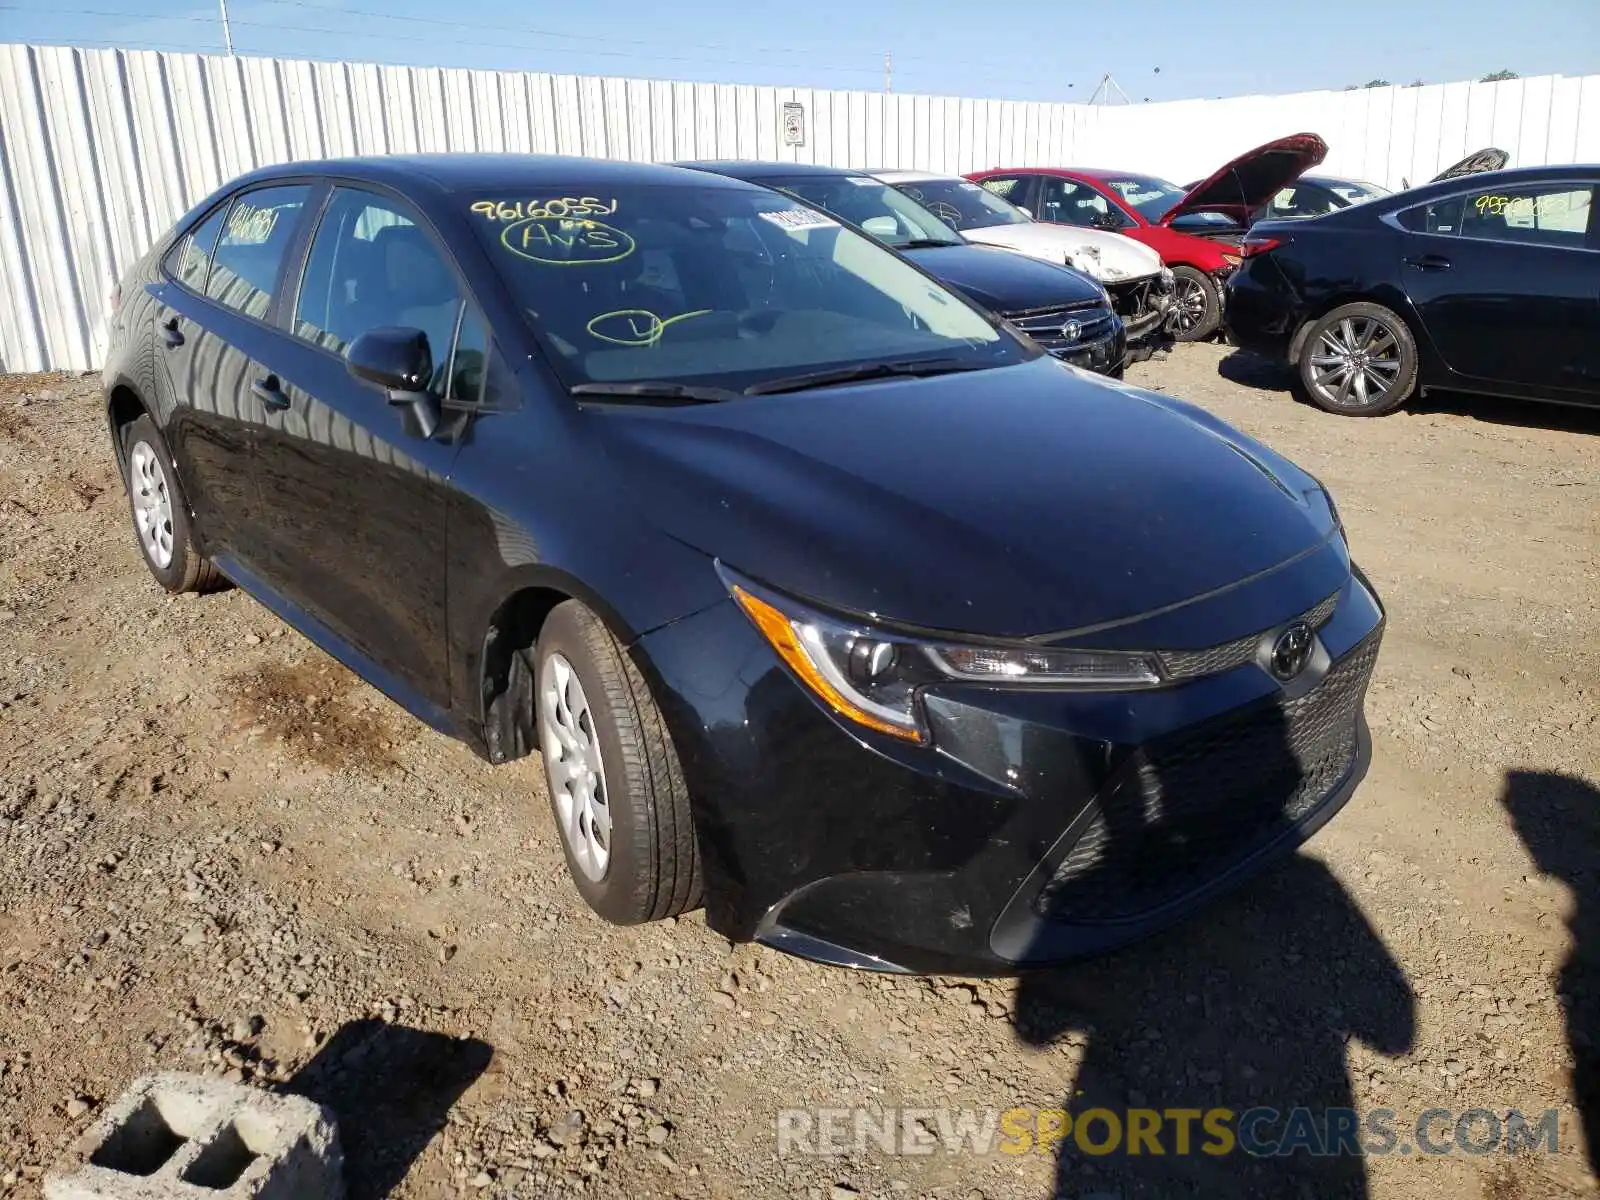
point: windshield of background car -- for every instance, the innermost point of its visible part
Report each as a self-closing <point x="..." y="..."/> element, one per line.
<point x="717" y="286"/>
<point x="1152" y="198"/>
<point x="963" y="205"/>
<point x="1352" y="192"/>
<point x="892" y="217"/>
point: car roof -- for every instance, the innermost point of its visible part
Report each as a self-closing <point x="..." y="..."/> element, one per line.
<point x="1510" y="177"/>
<point x="751" y="169"/>
<point x="490" y="172"/>
<point x="903" y="175"/>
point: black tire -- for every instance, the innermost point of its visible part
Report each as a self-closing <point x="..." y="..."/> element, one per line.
<point x="1371" y="327"/>
<point x="1199" y="319"/>
<point x="653" y="866"/>
<point x="186" y="570"/>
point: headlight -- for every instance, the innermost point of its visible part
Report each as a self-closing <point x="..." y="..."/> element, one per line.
<point x="872" y="676"/>
<point x="1232" y="260"/>
<point x="1168" y="279"/>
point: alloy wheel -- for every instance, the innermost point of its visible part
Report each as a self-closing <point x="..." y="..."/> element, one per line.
<point x="576" y="772"/>
<point x="1355" y="363"/>
<point x="152" y="503"/>
<point x="1190" y="304"/>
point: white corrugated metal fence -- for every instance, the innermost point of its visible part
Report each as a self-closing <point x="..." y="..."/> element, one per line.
<point x="101" y="149"/>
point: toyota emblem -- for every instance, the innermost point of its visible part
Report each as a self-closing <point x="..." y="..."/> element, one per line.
<point x="1071" y="330"/>
<point x="1292" y="651"/>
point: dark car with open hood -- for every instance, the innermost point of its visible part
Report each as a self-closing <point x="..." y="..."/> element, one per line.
<point x="825" y="600"/>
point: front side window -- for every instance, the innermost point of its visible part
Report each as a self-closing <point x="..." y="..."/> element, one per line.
<point x="370" y="265"/>
<point x="1353" y="191"/>
<point x="1150" y="197"/>
<point x="256" y="233"/>
<point x="717" y="286"/>
<point x="892" y="217"/>
<point x="961" y="204"/>
<point x="1069" y="203"/>
<point x="190" y="260"/>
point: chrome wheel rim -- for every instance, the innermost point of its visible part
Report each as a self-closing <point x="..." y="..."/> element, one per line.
<point x="574" y="767"/>
<point x="1355" y="363"/>
<point x="1190" y="303"/>
<point x="152" y="503"/>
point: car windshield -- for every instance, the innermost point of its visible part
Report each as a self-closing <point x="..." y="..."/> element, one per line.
<point x="1152" y="198"/>
<point x="1352" y="191"/>
<point x="892" y="217"/>
<point x="718" y="288"/>
<point x="963" y="205"/>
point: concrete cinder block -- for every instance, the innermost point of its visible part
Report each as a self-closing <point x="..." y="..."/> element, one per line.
<point x="189" y="1137"/>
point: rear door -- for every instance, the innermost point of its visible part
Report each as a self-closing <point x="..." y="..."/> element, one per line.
<point x="1506" y="279"/>
<point x="354" y="497"/>
<point x="211" y="324"/>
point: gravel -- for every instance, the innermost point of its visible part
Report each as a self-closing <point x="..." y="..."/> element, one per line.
<point x="221" y="852"/>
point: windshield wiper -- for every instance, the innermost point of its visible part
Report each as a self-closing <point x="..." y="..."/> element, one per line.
<point x="924" y="243"/>
<point x="683" y="393"/>
<point x="862" y="372"/>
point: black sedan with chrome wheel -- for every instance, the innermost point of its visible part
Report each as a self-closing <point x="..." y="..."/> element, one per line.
<point x="1489" y="283"/>
<point x="826" y="600"/>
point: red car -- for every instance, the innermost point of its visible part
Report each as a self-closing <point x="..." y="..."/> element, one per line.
<point x="1196" y="232"/>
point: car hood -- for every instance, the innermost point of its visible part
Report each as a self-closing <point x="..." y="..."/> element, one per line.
<point x="1012" y="502"/>
<point x="1108" y="257"/>
<point x="1238" y="188"/>
<point x="1002" y="281"/>
<point x="1488" y="159"/>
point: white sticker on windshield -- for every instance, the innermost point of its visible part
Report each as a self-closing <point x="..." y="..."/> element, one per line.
<point x="797" y="218"/>
<point x="969" y="187"/>
<point x="862" y="181"/>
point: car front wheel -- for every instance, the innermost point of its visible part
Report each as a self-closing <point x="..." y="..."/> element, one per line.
<point x="616" y="788"/>
<point x="1197" y="306"/>
<point x="1359" y="360"/>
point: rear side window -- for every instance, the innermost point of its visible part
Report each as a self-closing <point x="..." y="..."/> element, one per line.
<point x="370" y="265"/>
<point x="259" y="226"/>
<point x="1550" y="214"/>
<point x="1442" y="216"/>
<point x="190" y="260"/>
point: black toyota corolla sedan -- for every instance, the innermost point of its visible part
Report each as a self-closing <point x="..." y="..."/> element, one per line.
<point x="1485" y="283"/>
<point x="827" y="601"/>
<point x="1066" y="312"/>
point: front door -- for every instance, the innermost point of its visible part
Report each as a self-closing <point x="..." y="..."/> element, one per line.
<point x="1507" y="282"/>
<point x="354" y="496"/>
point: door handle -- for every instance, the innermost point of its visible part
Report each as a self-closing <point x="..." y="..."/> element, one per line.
<point x="1429" y="262"/>
<point x="171" y="335"/>
<point x="270" y="392"/>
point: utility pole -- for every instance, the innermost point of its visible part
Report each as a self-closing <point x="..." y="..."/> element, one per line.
<point x="1107" y="92"/>
<point x="227" y="32"/>
<point x="888" y="72"/>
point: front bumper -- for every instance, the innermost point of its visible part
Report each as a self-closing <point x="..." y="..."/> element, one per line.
<point x="1039" y="826"/>
<point x="1146" y="307"/>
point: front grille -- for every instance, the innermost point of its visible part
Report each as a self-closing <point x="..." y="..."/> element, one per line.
<point x="1192" y="664"/>
<point x="1044" y="325"/>
<point x="1200" y="801"/>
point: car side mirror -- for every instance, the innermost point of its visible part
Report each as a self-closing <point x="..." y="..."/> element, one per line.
<point x="399" y="360"/>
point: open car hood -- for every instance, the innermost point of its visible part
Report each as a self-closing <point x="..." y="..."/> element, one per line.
<point x="1487" y="159"/>
<point x="1240" y="187"/>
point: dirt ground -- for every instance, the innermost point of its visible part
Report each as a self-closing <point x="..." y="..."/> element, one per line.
<point x="220" y="851"/>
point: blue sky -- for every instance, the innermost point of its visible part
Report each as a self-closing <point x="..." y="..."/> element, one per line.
<point x="1157" y="49"/>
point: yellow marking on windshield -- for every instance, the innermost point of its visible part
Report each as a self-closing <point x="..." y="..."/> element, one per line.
<point x="644" y="327"/>
<point x="556" y="206"/>
<point x="564" y="242"/>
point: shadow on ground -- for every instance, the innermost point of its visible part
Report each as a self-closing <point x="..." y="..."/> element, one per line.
<point x="1558" y="819"/>
<point x="1249" y="1005"/>
<point x="1267" y="374"/>
<point x="391" y="1088"/>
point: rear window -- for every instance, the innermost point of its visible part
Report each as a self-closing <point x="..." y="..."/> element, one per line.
<point x="190" y="260"/>
<point x="259" y="226"/>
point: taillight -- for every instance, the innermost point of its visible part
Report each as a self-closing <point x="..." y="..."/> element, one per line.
<point x="1258" y="243"/>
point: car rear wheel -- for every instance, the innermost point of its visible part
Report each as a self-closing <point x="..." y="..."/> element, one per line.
<point x="616" y="787"/>
<point x="1197" y="306"/>
<point x="161" y="513"/>
<point x="1359" y="360"/>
